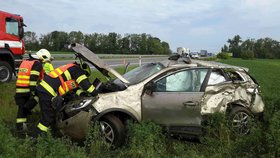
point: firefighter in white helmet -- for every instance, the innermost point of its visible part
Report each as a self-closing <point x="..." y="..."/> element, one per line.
<point x="45" y="56"/>
<point x="30" y="72"/>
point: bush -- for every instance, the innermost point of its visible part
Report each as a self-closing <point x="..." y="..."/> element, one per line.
<point x="247" y="55"/>
<point x="223" y="55"/>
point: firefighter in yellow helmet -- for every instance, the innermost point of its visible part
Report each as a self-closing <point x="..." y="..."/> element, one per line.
<point x="30" y="73"/>
<point x="57" y="83"/>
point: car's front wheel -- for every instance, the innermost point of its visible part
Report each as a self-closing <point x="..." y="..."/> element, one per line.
<point x="112" y="130"/>
<point x="240" y="120"/>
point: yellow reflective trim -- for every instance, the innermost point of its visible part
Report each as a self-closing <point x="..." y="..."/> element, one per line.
<point x="79" y="91"/>
<point x="67" y="74"/>
<point x="59" y="71"/>
<point x="81" y="78"/>
<point x="67" y="88"/>
<point x="23" y="81"/>
<point x="23" y="77"/>
<point x="42" y="127"/>
<point x="33" y="72"/>
<point x="61" y="90"/>
<point x="22" y="90"/>
<point x="54" y="73"/>
<point x="90" y="89"/>
<point x="48" y="88"/>
<point x="33" y="83"/>
<point x="21" y="120"/>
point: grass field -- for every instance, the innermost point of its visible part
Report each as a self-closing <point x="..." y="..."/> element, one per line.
<point x="147" y="140"/>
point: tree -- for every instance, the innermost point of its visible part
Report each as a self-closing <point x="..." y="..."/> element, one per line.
<point x="261" y="48"/>
<point x="224" y="48"/>
<point x="166" y="48"/>
<point x="46" y="41"/>
<point x="154" y="46"/>
<point x="125" y="45"/>
<point x="234" y="46"/>
<point x="31" y="41"/>
<point x="111" y="43"/>
<point x="76" y="37"/>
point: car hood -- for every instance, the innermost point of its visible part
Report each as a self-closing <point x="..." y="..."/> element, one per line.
<point x="92" y="58"/>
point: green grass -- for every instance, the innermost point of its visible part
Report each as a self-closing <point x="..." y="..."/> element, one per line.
<point x="147" y="140"/>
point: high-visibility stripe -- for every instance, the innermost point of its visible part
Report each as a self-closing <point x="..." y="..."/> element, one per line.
<point x="33" y="83"/>
<point x="23" y="77"/>
<point x="48" y="88"/>
<point x="53" y="73"/>
<point x="59" y="71"/>
<point x="33" y="72"/>
<point x="67" y="74"/>
<point x="22" y="90"/>
<point x="81" y="78"/>
<point x="42" y="127"/>
<point x="66" y="86"/>
<point x="90" y="89"/>
<point x="21" y="120"/>
<point x="79" y="91"/>
<point x="23" y="81"/>
<point x="61" y="90"/>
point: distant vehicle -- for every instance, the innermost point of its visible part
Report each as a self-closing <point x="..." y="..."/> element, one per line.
<point x="11" y="44"/>
<point x="194" y="56"/>
<point x="174" y="94"/>
<point x="203" y="53"/>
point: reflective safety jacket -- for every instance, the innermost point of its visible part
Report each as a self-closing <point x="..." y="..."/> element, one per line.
<point x="30" y="72"/>
<point x="48" y="67"/>
<point x="69" y="76"/>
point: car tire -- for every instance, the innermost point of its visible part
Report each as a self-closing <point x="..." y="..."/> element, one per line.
<point x="240" y="120"/>
<point x="6" y="72"/>
<point x="112" y="130"/>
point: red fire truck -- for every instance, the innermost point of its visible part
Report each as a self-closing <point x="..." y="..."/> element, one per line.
<point x="11" y="44"/>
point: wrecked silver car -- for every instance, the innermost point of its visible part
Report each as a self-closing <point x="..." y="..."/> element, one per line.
<point x="172" y="93"/>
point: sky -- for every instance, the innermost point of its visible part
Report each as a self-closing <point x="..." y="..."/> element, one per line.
<point x="194" y="24"/>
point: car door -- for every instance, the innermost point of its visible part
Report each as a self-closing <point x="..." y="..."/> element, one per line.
<point x="174" y="100"/>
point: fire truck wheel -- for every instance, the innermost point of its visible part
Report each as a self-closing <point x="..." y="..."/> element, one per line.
<point x="6" y="72"/>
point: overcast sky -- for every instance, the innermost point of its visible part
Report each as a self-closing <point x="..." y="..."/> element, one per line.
<point x="195" y="24"/>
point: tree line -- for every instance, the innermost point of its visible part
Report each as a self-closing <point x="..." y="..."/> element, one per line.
<point x="111" y="43"/>
<point x="251" y="48"/>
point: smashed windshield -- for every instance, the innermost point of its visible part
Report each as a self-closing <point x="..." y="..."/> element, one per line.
<point x="141" y="73"/>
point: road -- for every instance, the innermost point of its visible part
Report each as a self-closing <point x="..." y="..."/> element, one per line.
<point x="112" y="62"/>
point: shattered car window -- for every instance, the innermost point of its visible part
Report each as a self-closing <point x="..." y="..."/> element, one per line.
<point x="216" y="77"/>
<point x="141" y="73"/>
<point x="235" y="76"/>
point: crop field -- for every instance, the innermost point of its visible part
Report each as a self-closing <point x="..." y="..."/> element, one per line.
<point x="147" y="139"/>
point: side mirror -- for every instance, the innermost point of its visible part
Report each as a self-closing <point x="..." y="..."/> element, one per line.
<point x="150" y="88"/>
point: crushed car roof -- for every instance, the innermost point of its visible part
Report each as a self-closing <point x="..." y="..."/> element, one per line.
<point x="182" y="62"/>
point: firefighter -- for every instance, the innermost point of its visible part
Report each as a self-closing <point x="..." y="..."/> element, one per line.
<point x="57" y="83"/>
<point x="30" y="73"/>
<point x="48" y="67"/>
